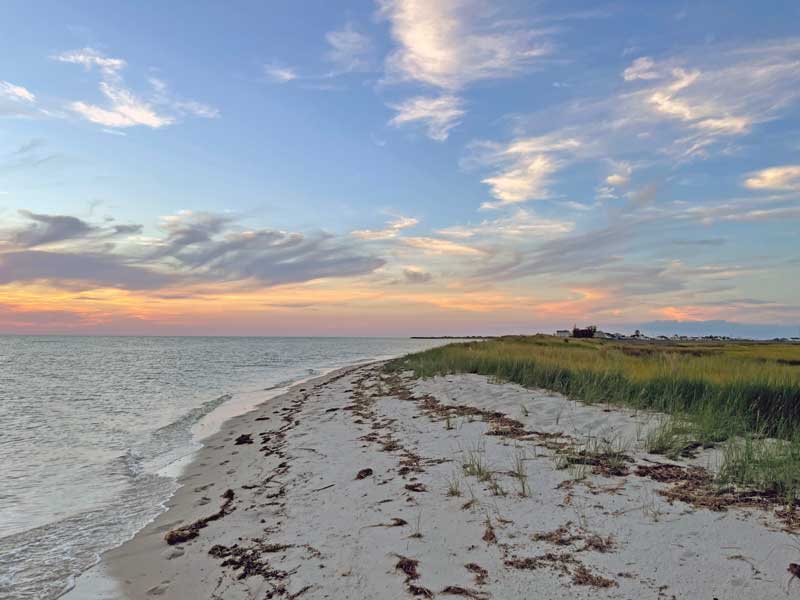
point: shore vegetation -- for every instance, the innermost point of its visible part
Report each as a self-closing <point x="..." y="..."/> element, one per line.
<point x="743" y="396"/>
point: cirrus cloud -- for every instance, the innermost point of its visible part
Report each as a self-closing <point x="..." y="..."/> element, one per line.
<point x="786" y="177"/>
<point x="123" y="107"/>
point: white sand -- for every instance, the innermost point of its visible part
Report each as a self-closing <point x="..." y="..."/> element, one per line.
<point x="300" y="515"/>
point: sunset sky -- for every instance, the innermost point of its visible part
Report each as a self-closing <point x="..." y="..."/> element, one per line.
<point x="399" y="167"/>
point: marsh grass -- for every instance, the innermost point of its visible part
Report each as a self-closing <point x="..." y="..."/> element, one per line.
<point x="762" y="463"/>
<point x="712" y="392"/>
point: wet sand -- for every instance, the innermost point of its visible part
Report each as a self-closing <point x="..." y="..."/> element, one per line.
<point x="363" y="484"/>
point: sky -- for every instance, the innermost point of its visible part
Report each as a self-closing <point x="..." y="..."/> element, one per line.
<point x="399" y="167"/>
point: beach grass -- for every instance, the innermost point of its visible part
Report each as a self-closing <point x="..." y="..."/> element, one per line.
<point x="736" y="392"/>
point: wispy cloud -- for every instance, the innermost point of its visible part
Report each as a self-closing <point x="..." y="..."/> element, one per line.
<point x="725" y="96"/>
<point x="526" y="166"/>
<point x="17" y="101"/>
<point x="279" y="74"/>
<point x="89" y="57"/>
<point x="124" y="108"/>
<point x="775" y="178"/>
<point x="641" y="68"/>
<point x="16" y="92"/>
<point x="520" y="223"/>
<point x="350" y="50"/>
<point x="193" y="248"/>
<point x="438" y="115"/>
<point x="392" y="229"/>
<point x="431" y="245"/>
<point x="450" y="43"/>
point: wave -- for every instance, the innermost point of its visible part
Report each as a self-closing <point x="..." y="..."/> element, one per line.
<point x="280" y="384"/>
<point x="41" y="563"/>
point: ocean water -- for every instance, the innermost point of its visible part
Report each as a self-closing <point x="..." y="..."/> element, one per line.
<point x="89" y="427"/>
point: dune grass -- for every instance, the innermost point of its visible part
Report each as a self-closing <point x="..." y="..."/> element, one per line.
<point x="742" y="392"/>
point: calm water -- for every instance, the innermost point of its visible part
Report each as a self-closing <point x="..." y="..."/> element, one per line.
<point x="89" y="426"/>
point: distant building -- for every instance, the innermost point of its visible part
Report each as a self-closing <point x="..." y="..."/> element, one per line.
<point x="603" y="335"/>
<point x="563" y="333"/>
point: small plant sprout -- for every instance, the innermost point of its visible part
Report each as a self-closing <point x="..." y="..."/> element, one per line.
<point x="650" y="507"/>
<point x="454" y="485"/>
<point x="417" y="527"/>
<point x="559" y="412"/>
<point x="519" y="472"/>
<point x="495" y="488"/>
<point x="580" y="514"/>
<point x="474" y="463"/>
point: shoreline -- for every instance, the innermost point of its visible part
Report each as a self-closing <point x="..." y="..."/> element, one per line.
<point x="363" y="484"/>
<point x="101" y="580"/>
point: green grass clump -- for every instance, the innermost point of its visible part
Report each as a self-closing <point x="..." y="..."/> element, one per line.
<point x="767" y="464"/>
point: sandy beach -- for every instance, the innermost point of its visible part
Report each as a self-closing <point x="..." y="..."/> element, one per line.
<point x="367" y="484"/>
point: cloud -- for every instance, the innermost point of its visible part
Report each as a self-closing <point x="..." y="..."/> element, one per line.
<point x="195" y="248"/>
<point x="349" y="49"/>
<point x="279" y="74"/>
<point x="738" y="210"/>
<point x="775" y="178"/>
<point x="616" y="180"/>
<point x="569" y="254"/>
<point x="17" y="101"/>
<point x="621" y="176"/>
<point x="16" y="92"/>
<point x="89" y="58"/>
<point x="450" y="43"/>
<point x="439" y="114"/>
<point x="725" y="95"/>
<point x="124" y="108"/>
<point x="641" y="68"/>
<point x="416" y="276"/>
<point x="78" y="270"/>
<point x="527" y="166"/>
<point x="163" y="97"/>
<point x="527" y="180"/>
<point x="392" y="229"/>
<point x="206" y="246"/>
<point x="438" y="246"/>
<point x="644" y="195"/>
<point x="47" y="229"/>
<point x="521" y="223"/>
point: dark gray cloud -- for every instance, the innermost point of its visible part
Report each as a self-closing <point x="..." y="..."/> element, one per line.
<point x="567" y="255"/>
<point x="127" y="229"/>
<point x="414" y="276"/>
<point x="79" y="270"/>
<point x="44" y="229"/>
<point x="197" y="249"/>
<point x="207" y="246"/>
<point x="47" y="229"/>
